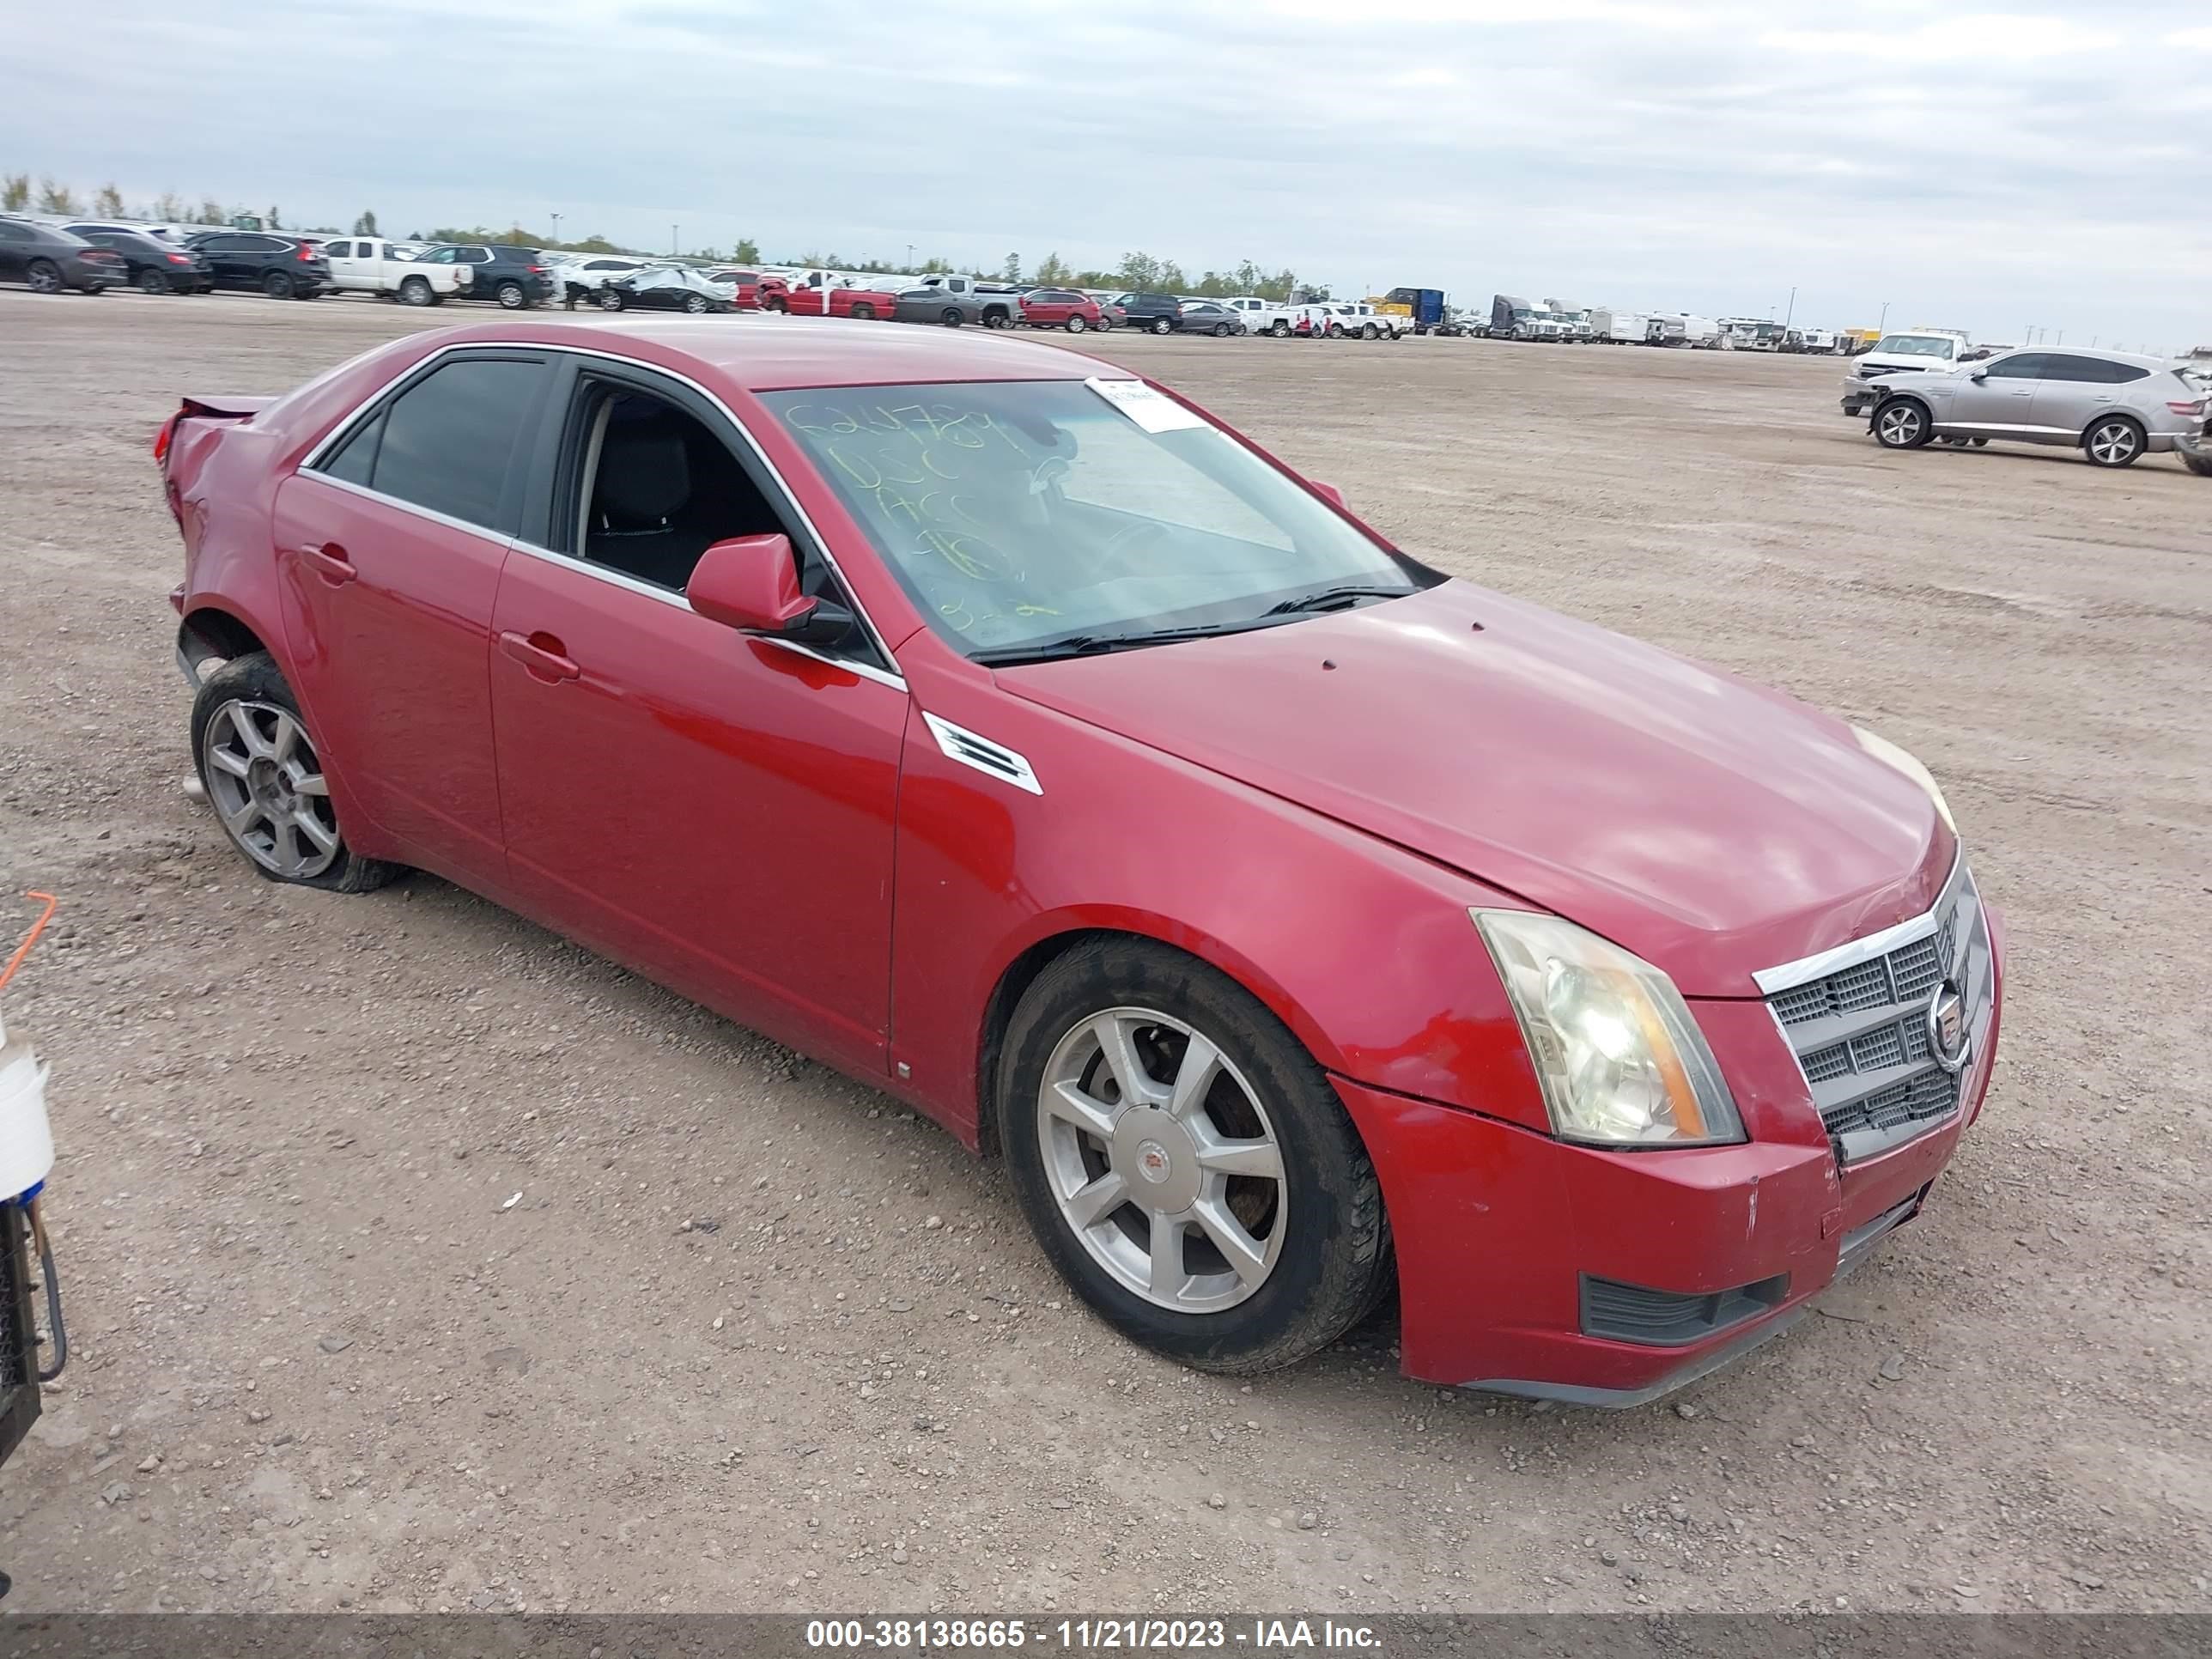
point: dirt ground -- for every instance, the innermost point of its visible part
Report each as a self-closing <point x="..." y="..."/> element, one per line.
<point x="418" y="1260"/>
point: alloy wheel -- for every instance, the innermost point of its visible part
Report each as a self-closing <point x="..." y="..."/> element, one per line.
<point x="1164" y="1163"/>
<point x="1900" y="426"/>
<point x="43" y="277"/>
<point x="2114" y="443"/>
<point x="268" y="787"/>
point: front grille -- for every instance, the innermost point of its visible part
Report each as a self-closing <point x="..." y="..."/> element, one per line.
<point x="1868" y="371"/>
<point x="1859" y="1020"/>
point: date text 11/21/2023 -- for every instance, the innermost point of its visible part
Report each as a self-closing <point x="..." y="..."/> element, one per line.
<point x="1087" y="1635"/>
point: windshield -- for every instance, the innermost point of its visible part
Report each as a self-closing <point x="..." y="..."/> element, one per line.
<point x="1917" y="345"/>
<point x="1016" y="514"/>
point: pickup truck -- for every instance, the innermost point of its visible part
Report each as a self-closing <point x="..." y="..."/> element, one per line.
<point x="954" y="300"/>
<point x="816" y="294"/>
<point x="1262" y="316"/>
<point x="369" y="265"/>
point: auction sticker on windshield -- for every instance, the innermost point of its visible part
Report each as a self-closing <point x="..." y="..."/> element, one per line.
<point x="1148" y="407"/>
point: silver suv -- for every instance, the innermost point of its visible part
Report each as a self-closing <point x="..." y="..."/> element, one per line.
<point x="2114" y="407"/>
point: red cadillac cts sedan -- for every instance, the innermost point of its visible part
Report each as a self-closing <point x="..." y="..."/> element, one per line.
<point x="1294" y="921"/>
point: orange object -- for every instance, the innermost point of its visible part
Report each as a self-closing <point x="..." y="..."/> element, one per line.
<point x="30" y="938"/>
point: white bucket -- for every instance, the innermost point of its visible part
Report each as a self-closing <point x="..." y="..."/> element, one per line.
<point x="26" y="1139"/>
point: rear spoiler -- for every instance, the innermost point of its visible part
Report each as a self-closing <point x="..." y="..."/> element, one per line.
<point x="206" y="408"/>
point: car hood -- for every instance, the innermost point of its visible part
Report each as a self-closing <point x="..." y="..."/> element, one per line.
<point x="1711" y="826"/>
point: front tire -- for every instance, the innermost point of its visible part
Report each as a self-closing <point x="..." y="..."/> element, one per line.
<point x="609" y="298"/>
<point x="265" y="781"/>
<point x="952" y="318"/>
<point x="43" y="276"/>
<point x="864" y="312"/>
<point x="1184" y="1161"/>
<point x="2117" y="441"/>
<point x="1903" y="423"/>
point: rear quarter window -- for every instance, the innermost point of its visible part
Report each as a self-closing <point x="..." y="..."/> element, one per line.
<point x="447" y="442"/>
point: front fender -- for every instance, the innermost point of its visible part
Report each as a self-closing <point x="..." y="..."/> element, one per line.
<point x="1364" y="950"/>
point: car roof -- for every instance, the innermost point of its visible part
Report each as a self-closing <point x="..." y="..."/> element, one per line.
<point x="765" y="353"/>
<point x="2137" y="359"/>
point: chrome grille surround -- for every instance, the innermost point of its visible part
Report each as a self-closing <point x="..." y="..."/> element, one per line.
<point x="1858" y="1018"/>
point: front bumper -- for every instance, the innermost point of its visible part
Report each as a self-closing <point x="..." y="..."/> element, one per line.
<point x="1529" y="1266"/>
<point x="1860" y="396"/>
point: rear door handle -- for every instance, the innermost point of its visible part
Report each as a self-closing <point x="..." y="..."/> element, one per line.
<point x="542" y="655"/>
<point x="329" y="561"/>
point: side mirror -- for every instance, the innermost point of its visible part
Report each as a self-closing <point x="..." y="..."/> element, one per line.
<point x="1979" y="376"/>
<point x="751" y="583"/>
<point x="1329" y="493"/>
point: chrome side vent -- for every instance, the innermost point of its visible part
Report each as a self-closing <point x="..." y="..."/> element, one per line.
<point x="993" y="759"/>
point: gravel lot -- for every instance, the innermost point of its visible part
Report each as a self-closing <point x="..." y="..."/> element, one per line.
<point x="752" y="1337"/>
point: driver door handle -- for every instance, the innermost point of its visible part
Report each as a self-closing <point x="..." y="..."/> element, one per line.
<point x="328" y="560"/>
<point x="542" y="656"/>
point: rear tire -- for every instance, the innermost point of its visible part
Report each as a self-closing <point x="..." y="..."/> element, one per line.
<point x="1301" y="1203"/>
<point x="1162" y="325"/>
<point x="1076" y="325"/>
<point x="1281" y="330"/>
<point x="415" y="291"/>
<point x="864" y="311"/>
<point x="1222" y="331"/>
<point x="151" y="281"/>
<point x="2117" y="441"/>
<point x="278" y="285"/>
<point x="257" y="762"/>
<point x="694" y="305"/>
<point x="510" y="296"/>
<point x="1903" y="423"/>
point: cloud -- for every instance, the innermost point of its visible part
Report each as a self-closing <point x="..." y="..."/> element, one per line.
<point x="2035" y="162"/>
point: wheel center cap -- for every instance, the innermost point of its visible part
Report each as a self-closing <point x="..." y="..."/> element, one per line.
<point x="1158" y="1157"/>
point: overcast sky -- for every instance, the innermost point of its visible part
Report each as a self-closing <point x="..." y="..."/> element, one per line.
<point x="2043" y="163"/>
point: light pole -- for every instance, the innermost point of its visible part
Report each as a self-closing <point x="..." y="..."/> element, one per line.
<point x="910" y="256"/>
<point x="1788" y="315"/>
<point x="557" y="230"/>
<point x="2061" y="340"/>
<point x="672" y="229"/>
<point x="1883" y="325"/>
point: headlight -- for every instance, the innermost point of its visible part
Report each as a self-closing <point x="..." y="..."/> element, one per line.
<point x="1890" y="755"/>
<point x="1619" y="1058"/>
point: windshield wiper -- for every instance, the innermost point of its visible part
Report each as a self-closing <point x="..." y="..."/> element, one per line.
<point x="1092" y="645"/>
<point x="1329" y="596"/>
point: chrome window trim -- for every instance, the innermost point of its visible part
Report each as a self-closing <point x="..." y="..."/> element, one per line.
<point x="1822" y="964"/>
<point x="337" y="435"/>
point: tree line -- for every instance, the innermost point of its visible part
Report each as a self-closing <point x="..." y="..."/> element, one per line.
<point x="1137" y="272"/>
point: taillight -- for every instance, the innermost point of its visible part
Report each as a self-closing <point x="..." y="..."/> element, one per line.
<point x="2180" y="408"/>
<point x="178" y="258"/>
<point x="307" y="254"/>
<point x="161" y="437"/>
<point x="537" y="271"/>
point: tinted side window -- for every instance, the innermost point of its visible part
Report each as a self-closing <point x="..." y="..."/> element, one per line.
<point x="2021" y="366"/>
<point x="2060" y="366"/>
<point x="12" y="232"/>
<point x="476" y="256"/>
<point x="2121" y="374"/>
<point x="445" y="443"/>
<point x="339" y="250"/>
